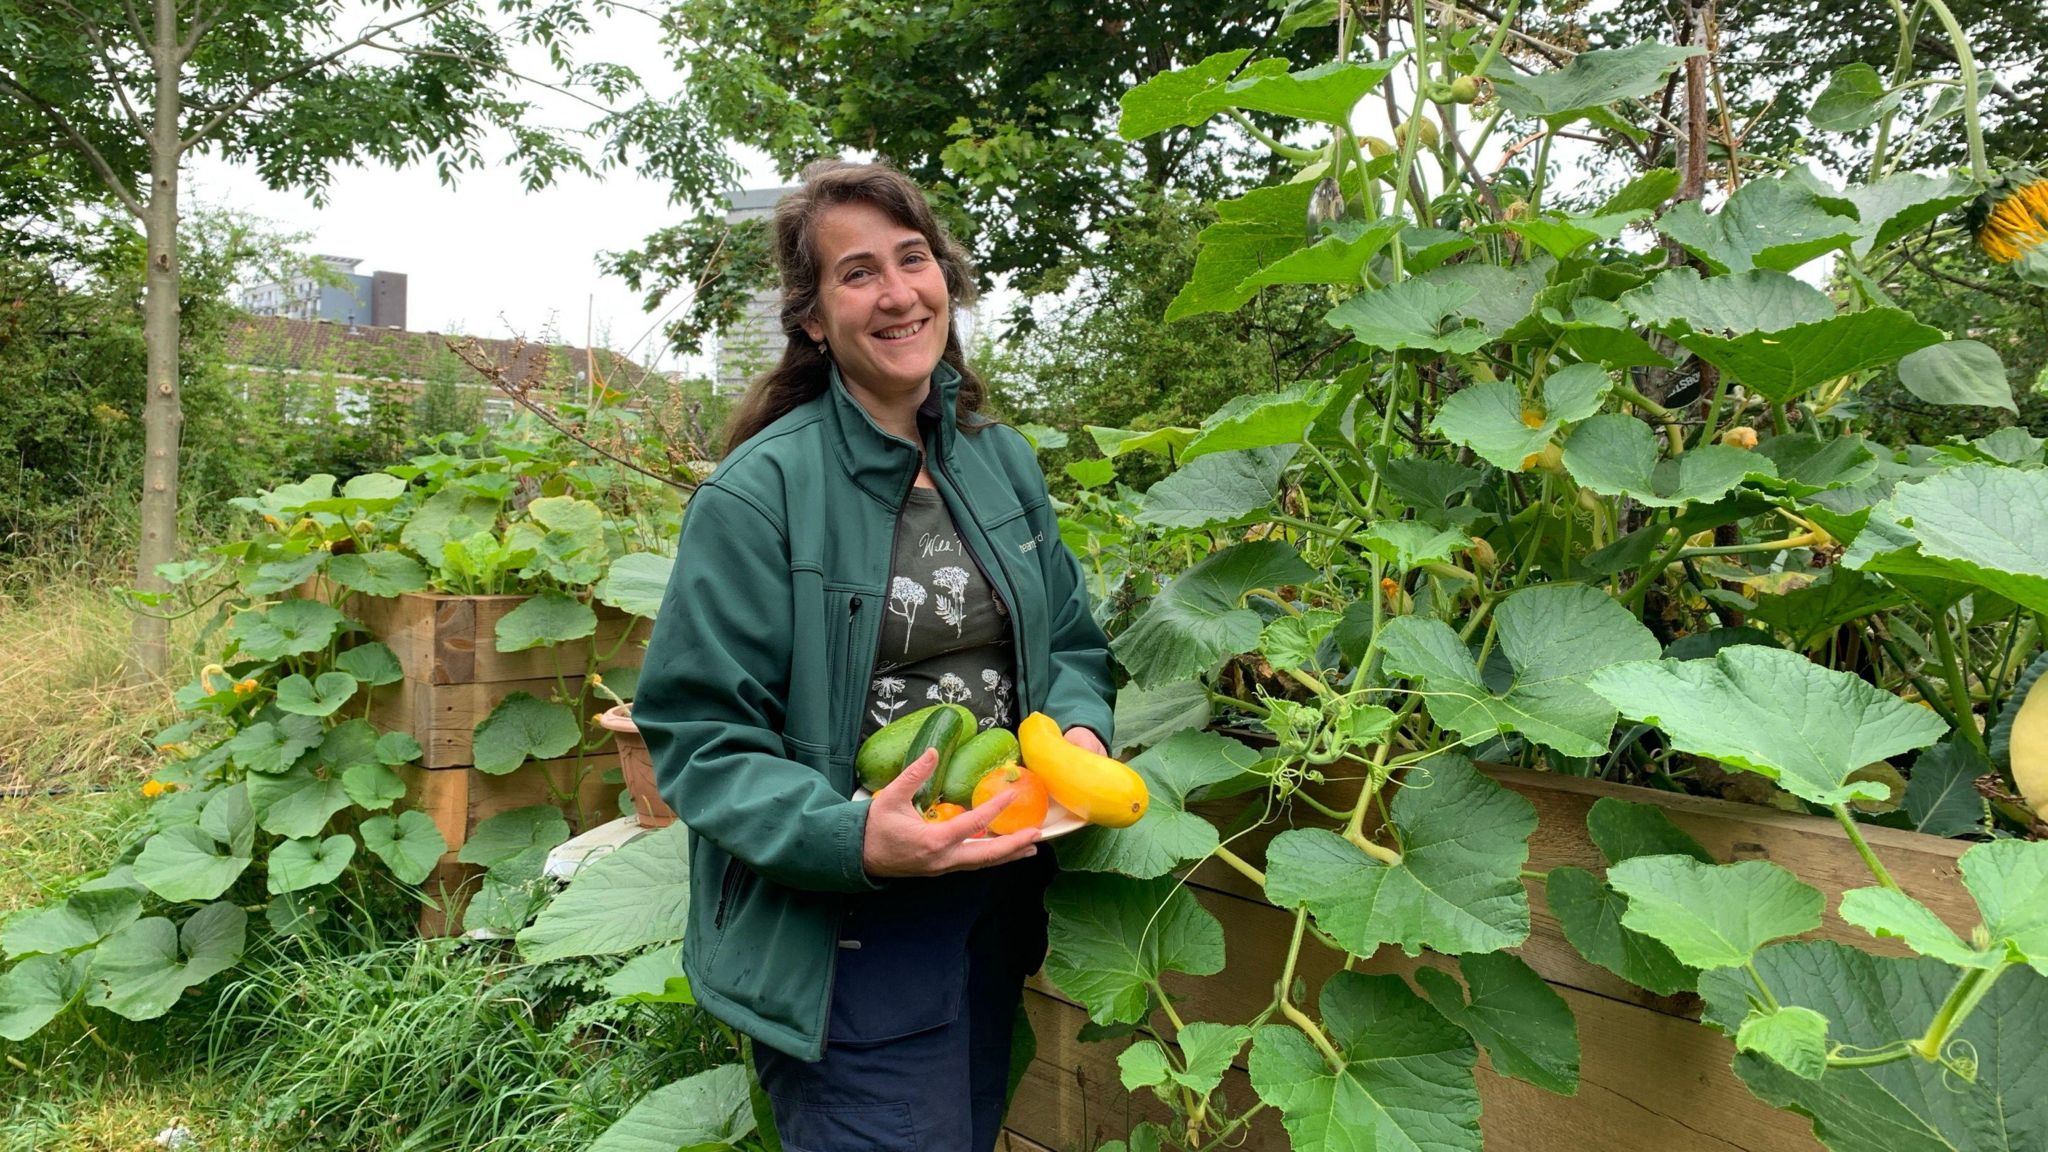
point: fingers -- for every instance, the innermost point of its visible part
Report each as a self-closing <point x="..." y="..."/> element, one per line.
<point x="993" y="851"/>
<point x="915" y="773"/>
<point x="975" y="821"/>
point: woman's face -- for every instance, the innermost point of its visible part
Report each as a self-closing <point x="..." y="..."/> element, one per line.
<point x="882" y="304"/>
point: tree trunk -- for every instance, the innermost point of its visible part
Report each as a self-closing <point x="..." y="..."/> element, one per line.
<point x="162" y="417"/>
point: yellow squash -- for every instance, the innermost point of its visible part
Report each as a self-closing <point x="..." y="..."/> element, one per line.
<point x="2019" y="741"/>
<point x="1095" y="788"/>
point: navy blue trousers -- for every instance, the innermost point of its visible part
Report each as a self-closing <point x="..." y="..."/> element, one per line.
<point x="924" y="998"/>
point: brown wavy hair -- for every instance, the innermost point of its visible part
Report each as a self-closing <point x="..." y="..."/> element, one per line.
<point x="804" y="372"/>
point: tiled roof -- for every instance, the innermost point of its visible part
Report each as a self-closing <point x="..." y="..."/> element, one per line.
<point x="278" y="343"/>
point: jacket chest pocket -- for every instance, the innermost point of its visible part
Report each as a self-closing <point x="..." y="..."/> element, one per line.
<point x="1016" y="541"/>
<point x="851" y="618"/>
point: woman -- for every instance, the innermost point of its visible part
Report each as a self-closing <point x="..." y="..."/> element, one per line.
<point x="869" y="544"/>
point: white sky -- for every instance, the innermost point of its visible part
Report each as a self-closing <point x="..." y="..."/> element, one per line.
<point x="484" y="257"/>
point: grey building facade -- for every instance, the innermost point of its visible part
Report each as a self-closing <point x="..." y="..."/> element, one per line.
<point x="375" y="300"/>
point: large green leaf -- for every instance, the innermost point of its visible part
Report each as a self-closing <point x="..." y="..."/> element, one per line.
<point x="1616" y="455"/>
<point x="546" y="618"/>
<point x="140" y="971"/>
<point x="1958" y="372"/>
<point x="1200" y="617"/>
<point x="1755" y="301"/>
<point x="284" y="575"/>
<point x="34" y="991"/>
<point x="230" y="818"/>
<point x="1784" y="363"/>
<point x="1527" y="1029"/>
<point x="1214" y="491"/>
<point x="1113" y="936"/>
<point x="295" y="865"/>
<point x="1463" y="839"/>
<point x="634" y="896"/>
<point x="1623" y="830"/>
<point x="372" y="786"/>
<point x="1491" y="419"/>
<point x="1181" y="97"/>
<point x="288" y="628"/>
<point x="1941" y="792"/>
<point x="1872" y="1003"/>
<point x="372" y="663"/>
<point x="1590" y="913"/>
<point x="1422" y="313"/>
<point x="1591" y="81"/>
<point x="450" y="514"/>
<point x="273" y="747"/>
<point x="712" y="1109"/>
<point x="1167" y="835"/>
<point x="1553" y="638"/>
<point x="298" y="802"/>
<point x="636" y="582"/>
<point x="1855" y="98"/>
<point x="1337" y="259"/>
<point x="1250" y="233"/>
<point x="509" y="833"/>
<point x="1901" y="203"/>
<point x="409" y="844"/>
<point x="1977" y="523"/>
<point x="77" y="921"/>
<point x="1261" y="420"/>
<point x="1146" y="716"/>
<point x="2008" y="879"/>
<point x="1326" y="92"/>
<point x="1805" y="464"/>
<point x="185" y="863"/>
<point x="1406" y="1081"/>
<point x="378" y="573"/>
<point x="1776" y="713"/>
<point x="1404" y="544"/>
<point x="1713" y="915"/>
<point x="1561" y="234"/>
<point x="1778" y="223"/>
<point x="303" y="697"/>
<point x="1794" y="1038"/>
<point x="523" y="726"/>
<point x="1161" y="442"/>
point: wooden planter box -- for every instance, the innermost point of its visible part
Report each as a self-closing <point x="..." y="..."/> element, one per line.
<point x="1651" y="1077"/>
<point x="454" y="676"/>
<point x="454" y="673"/>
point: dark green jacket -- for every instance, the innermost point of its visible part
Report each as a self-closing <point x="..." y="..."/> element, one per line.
<point x="757" y="672"/>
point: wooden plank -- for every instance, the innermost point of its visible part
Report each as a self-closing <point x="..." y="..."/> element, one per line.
<point x="1014" y="1141"/>
<point x="443" y="717"/>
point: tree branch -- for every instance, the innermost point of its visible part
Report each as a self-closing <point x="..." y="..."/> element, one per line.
<point x="57" y="120"/>
<point x="105" y="56"/>
<point x="300" y="69"/>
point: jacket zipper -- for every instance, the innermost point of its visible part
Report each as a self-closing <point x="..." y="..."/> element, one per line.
<point x="726" y="890"/>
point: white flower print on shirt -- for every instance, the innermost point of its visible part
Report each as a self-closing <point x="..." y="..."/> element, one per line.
<point x="952" y="608"/>
<point x="999" y="687"/>
<point x="906" y="596"/>
<point x="949" y="690"/>
<point x="887" y="691"/>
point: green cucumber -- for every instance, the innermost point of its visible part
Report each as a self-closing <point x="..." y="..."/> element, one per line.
<point x="984" y="752"/>
<point x="882" y="756"/>
<point x="943" y="730"/>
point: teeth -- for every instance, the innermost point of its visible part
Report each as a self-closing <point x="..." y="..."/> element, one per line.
<point x="900" y="333"/>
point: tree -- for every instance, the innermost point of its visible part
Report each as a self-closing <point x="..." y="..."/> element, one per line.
<point x="1006" y="110"/>
<point x="108" y="99"/>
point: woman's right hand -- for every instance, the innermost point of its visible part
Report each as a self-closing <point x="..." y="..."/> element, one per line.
<point x="901" y="842"/>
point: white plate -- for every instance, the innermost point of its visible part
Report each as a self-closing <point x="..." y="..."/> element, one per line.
<point x="1058" y="821"/>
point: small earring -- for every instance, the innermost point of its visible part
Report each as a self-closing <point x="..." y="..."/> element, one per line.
<point x="822" y="350"/>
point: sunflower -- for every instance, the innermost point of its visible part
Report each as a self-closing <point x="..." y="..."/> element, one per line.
<point x="2010" y="221"/>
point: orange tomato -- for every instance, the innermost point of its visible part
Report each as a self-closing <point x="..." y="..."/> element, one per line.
<point x="1027" y="810"/>
<point x="942" y="811"/>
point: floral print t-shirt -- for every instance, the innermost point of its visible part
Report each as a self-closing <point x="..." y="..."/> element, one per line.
<point x="945" y="636"/>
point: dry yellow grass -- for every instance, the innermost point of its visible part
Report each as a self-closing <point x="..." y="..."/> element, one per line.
<point x="65" y="714"/>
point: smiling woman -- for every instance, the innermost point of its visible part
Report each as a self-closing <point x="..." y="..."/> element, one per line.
<point x="869" y="544"/>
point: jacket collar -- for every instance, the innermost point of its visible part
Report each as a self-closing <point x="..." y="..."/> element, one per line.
<point x="881" y="463"/>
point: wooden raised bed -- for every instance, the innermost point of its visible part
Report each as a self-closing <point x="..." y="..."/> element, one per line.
<point x="454" y="676"/>
<point x="1651" y="1077"/>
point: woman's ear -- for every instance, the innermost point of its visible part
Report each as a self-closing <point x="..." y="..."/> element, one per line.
<point x="814" y="330"/>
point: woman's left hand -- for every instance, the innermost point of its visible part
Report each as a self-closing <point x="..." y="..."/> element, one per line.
<point x="1086" y="738"/>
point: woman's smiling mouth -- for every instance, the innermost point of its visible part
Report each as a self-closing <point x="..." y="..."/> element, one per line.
<point x="901" y="332"/>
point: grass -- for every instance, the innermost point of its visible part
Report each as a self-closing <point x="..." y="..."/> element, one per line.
<point x="67" y="719"/>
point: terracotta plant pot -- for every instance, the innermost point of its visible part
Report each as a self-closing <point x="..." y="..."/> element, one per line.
<point x="637" y="766"/>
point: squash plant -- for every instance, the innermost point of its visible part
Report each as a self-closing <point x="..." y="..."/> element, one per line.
<point x="276" y="777"/>
<point x="1582" y="488"/>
